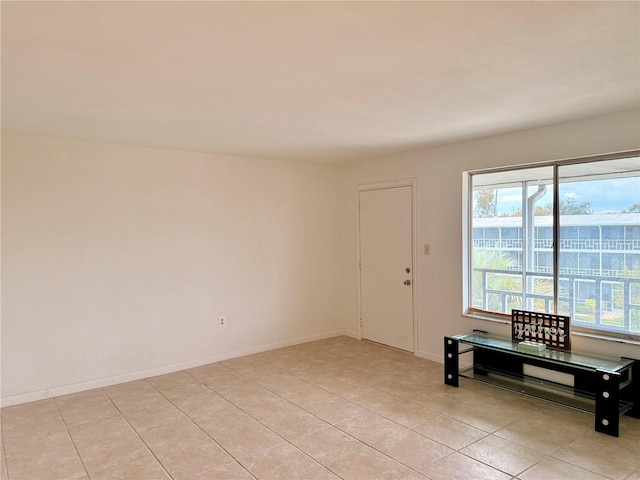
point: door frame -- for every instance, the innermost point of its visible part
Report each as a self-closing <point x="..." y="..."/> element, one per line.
<point x="405" y="182"/>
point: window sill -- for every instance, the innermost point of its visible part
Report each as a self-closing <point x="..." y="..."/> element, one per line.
<point x="489" y="318"/>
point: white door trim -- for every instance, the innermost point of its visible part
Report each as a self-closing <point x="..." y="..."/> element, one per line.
<point x="406" y="182"/>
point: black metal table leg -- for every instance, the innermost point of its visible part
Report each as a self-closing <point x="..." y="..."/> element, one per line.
<point x="451" y="361"/>
<point x="632" y="392"/>
<point x="608" y="403"/>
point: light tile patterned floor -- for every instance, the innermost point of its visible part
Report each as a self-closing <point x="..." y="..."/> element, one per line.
<point x="336" y="408"/>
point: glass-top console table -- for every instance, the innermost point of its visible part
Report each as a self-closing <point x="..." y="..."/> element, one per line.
<point x="607" y="387"/>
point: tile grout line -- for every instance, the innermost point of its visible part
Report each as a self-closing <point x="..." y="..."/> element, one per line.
<point x="637" y="471"/>
<point x="411" y="429"/>
<point x="359" y="406"/>
<point x="283" y="392"/>
<point x="219" y="393"/>
<point x="5" y="467"/>
<point x="328" y="424"/>
<point x="198" y="426"/>
<point x="546" y="457"/>
<point x="75" y="447"/>
<point x="373" y="412"/>
<point x="273" y="431"/>
<point x="138" y="435"/>
<point x="492" y="434"/>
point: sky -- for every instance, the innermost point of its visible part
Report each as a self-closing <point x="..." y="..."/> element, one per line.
<point x="607" y="196"/>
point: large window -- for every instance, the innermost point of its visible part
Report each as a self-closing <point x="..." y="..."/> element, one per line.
<point x="560" y="238"/>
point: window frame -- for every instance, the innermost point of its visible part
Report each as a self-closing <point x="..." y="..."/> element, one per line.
<point x="467" y="230"/>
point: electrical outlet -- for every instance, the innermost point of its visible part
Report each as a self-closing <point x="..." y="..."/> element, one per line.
<point x="222" y="321"/>
<point x="427" y="249"/>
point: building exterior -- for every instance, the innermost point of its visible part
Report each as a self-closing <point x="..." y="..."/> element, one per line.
<point x="599" y="262"/>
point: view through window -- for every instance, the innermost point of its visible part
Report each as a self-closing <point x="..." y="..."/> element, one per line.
<point x="593" y="276"/>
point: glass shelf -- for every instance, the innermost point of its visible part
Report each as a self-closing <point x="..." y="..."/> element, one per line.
<point x="560" y="357"/>
<point x="601" y="385"/>
<point x="541" y="389"/>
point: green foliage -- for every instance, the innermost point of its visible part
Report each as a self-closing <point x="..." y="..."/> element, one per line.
<point x="544" y="211"/>
<point x="635" y="208"/>
<point x="493" y="260"/>
<point x="584" y="309"/>
<point x="567" y="207"/>
<point x="486" y="204"/>
<point x="571" y="207"/>
<point x="633" y="272"/>
<point x="634" y="317"/>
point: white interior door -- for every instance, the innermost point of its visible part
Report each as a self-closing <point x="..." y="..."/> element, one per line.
<point x="386" y="266"/>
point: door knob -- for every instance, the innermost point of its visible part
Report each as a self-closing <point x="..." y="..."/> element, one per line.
<point x="407" y="282"/>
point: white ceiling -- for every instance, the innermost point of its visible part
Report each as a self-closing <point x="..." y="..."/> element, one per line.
<point x="317" y="81"/>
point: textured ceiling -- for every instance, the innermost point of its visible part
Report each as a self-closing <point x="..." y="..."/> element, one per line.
<point x="317" y="81"/>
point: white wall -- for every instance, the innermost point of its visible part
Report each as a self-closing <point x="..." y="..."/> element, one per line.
<point x="438" y="172"/>
<point x="117" y="261"/>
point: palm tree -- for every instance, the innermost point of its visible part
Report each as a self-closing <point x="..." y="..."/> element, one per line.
<point x="504" y="282"/>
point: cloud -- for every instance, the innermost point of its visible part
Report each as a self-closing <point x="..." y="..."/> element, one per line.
<point x="512" y="198"/>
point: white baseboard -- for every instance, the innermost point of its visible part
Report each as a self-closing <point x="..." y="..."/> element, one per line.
<point x="463" y="363"/>
<point x="152" y="372"/>
<point x="429" y="356"/>
<point x="352" y="334"/>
